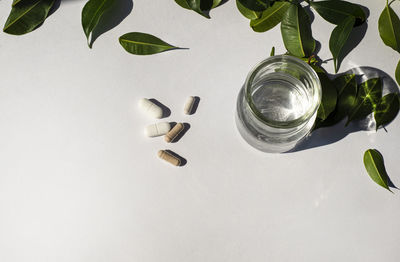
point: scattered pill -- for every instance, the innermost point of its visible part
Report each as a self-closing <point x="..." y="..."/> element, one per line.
<point x="164" y="155"/>
<point x="189" y="105"/>
<point x="158" y="129"/>
<point x="150" y="108"/>
<point x="174" y="132"/>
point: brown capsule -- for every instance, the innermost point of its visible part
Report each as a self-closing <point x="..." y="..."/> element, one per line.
<point x="174" y="132"/>
<point x="164" y="155"/>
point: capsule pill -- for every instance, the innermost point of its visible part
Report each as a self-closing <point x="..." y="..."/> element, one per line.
<point x="150" y="108"/>
<point x="174" y="132"/>
<point x="164" y="155"/>
<point x="189" y="105"/>
<point x="158" y="129"/>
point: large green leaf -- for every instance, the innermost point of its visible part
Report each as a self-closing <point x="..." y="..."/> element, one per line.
<point x="368" y="96"/>
<point x="255" y="5"/>
<point x="249" y="14"/>
<point x="397" y="73"/>
<point x="386" y="110"/>
<point x="25" y="17"/>
<point x="329" y="97"/>
<point x="373" y="162"/>
<point x="335" y="11"/>
<point x="270" y="17"/>
<point x="338" y="39"/>
<point x="91" y="15"/>
<point x="389" y="28"/>
<point x="144" y="44"/>
<point x="296" y="32"/>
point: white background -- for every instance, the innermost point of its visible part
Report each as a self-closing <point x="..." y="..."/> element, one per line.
<point x="80" y="182"/>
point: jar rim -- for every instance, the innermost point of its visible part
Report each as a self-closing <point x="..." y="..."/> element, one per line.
<point x="317" y="92"/>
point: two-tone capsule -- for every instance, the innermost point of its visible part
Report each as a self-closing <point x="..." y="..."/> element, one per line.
<point x="150" y="108"/>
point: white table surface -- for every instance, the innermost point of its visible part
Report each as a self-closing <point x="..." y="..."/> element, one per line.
<point x="80" y="182"/>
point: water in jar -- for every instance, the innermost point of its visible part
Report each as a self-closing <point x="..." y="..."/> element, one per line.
<point x="280" y="97"/>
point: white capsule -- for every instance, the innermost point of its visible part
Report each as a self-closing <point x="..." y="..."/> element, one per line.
<point x="158" y="129"/>
<point x="150" y="108"/>
<point x="189" y="105"/>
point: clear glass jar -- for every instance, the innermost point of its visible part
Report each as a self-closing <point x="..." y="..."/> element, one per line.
<point x="277" y="106"/>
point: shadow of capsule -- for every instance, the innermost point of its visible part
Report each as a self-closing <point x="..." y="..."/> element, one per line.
<point x="166" y="111"/>
<point x="182" y="160"/>
<point x="195" y="105"/>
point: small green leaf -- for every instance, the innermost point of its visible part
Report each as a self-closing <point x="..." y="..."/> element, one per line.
<point x="249" y="14"/>
<point x="272" y="51"/>
<point x="368" y="96"/>
<point x="389" y="28"/>
<point x="296" y="32"/>
<point x="329" y="97"/>
<point x="270" y="17"/>
<point x="397" y="74"/>
<point x="91" y="15"/>
<point x="255" y="5"/>
<point x="335" y="11"/>
<point x="144" y="44"/>
<point x="338" y="39"/>
<point x="26" y="17"/>
<point x="386" y="110"/>
<point x="373" y="162"/>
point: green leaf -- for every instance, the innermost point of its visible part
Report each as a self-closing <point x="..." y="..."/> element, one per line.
<point x="205" y="5"/>
<point x="183" y="3"/>
<point x="144" y="44"/>
<point x="270" y="17"/>
<point x="216" y="3"/>
<point x="346" y="87"/>
<point x="16" y="2"/>
<point x="296" y="32"/>
<point x="397" y="74"/>
<point x="389" y="28"/>
<point x="91" y="15"/>
<point x="335" y="11"/>
<point x="368" y="96"/>
<point x="201" y="7"/>
<point x="26" y="17"/>
<point x="329" y="97"/>
<point x="272" y="51"/>
<point x="338" y="39"/>
<point x="255" y="5"/>
<point x="249" y="14"/>
<point x="386" y="110"/>
<point x="373" y="162"/>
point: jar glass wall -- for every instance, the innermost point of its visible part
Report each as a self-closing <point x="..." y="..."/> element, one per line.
<point x="277" y="106"/>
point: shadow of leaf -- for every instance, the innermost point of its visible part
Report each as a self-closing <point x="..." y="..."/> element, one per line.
<point x="329" y="135"/>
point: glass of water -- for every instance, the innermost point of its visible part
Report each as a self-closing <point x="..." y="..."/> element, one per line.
<point x="277" y="106"/>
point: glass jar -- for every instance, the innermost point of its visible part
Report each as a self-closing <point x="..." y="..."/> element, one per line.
<point x="277" y="106"/>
